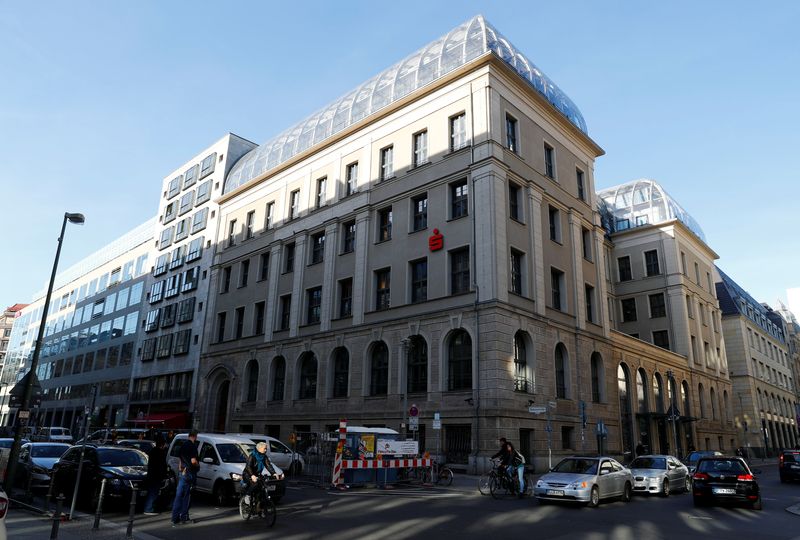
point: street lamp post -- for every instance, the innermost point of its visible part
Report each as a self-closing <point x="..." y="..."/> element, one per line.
<point x="26" y="397"/>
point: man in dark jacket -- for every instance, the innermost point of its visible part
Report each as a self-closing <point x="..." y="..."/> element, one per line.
<point x="187" y="475"/>
<point x="156" y="472"/>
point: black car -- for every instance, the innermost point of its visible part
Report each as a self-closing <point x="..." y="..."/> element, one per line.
<point x="123" y="469"/>
<point x="789" y="465"/>
<point x="720" y="479"/>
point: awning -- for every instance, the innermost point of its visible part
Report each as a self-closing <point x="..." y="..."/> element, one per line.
<point x="172" y="420"/>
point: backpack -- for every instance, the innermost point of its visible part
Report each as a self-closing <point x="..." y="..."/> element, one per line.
<point x="518" y="459"/>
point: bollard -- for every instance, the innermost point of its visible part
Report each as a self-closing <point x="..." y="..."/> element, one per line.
<point x="131" y="512"/>
<point x="99" y="511"/>
<point x="57" y="517"/>
<point x="49" y="492"/>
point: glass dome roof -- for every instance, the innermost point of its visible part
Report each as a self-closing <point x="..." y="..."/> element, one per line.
<point x="451" y="51"/>
<point x="642" y="202"/>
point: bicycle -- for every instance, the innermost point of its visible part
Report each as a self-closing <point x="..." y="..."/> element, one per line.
<point x="439" y="474"/>
<point x="486" y="478"/>
<point x="502" y="484"/>
<point x="259" y="504"/>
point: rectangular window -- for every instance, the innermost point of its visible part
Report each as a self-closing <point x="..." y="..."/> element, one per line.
<point x="549" y="161"/>
<point x="697" y="273"/>
<point x="586" y="238"/>
<point x="346" y="297"/>
<point x="589" y="293"/>
<point x="199" y="220"/>
<point x="513" y="202"/>
<point x="238" y="322"/>
<point x="313" y="305"/>
<point x="148" y="350"/>
<point x="263" y="266"/>
<point x="419" y="209"/>
<point x="232" y="233"/>
<point x="191" y="277"/>
<point x="186" y="310"/>
<point x="156" y="291"/>
<point x="203" y="193"/>
<point x="458" y="132"/>
<point x="320" y="193"/>
<point x="168" y="314"/>
<point x="177" y="258"/>
<point x="459" y="271"/>
<point x="164" y="346"/>
<point x="182" y="338"/>
<point x="683" y="262"/>
<point x="689" y="307"/>
<point x="173" y="286"/>
<point x="554" y="216"/>
<point x="387" y="165"/>
<point x="557" y="287"/>
<point x="420" y="148"/>
<point x="258" y="319"/>
<point x="165" y="239"/>
<point x="661" y="339"/>
<point x="580" y="184"/>
<point x="567" y="437"/>
<point x="249" y="222"/>
<point x="628" y="309"/>
<point x="244" y="273"/>
<point x="349" y="237"/>
<point x="459" y="199"/>
<point x="517" y="259"/>
<point x="511" y="134"/>
<point x="152" y="320"/>
<point x="288" y="258"/>
<point x="286" y="310"/>
<point x="190" y="176"/>
<point x="317" y="248"/>
<point x="624" y="268"/>
<point x="170" y="211"/>
<point x="419" y="280"/>
<point x="383" y="279"/>
<point x="207" y="166"/>
<point x="225" y="286"/>
<point x="221" y="326"/>
<point x="385" y="224"/>
<point x="187" y="203"/>
<point x="710" y="285"/>
<point x="294" y="204"/>
<point x="270" y="214"/>
<point x="658" y="307"/>
<point x="651" y="263"/>
<point x="351" y="179"/>
<point x="174" y="187"/>
<point x="182" y="229"/>
<point x="161" y="264"/>
<point x="702" y="310"/>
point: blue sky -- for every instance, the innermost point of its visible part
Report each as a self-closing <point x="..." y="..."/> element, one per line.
<point x="99" y="101"/>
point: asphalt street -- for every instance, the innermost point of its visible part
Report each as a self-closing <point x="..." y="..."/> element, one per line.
<point x="461" y="512"/>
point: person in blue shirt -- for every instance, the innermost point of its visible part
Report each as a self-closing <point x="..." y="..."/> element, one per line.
<point x="187" y="476"/>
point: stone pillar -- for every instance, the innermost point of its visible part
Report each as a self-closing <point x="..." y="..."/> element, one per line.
<point x="537" y="250"/>
<point x="491" y="242"/>
<point x="576" y="238"/>
<point x="298" y="294"/>
<point x="272" y="291"/>
<point x="361" y="278"/>
<point x="328" y="280"/>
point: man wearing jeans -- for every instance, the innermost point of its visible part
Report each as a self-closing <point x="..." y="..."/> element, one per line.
<point x="187" y="475"/>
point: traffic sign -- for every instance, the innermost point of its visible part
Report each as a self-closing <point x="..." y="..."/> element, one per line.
<point x="602" y="430"/>
<point x="552" y="404"/>
<point x="24" y="414"/>
<point x="437" y="421"/>
<point x="537" y="410"/>
<point x="413" y="423"/>
<point x="413" y="411"/>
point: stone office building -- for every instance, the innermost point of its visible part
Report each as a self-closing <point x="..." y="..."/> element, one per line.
<point x="430" y="238"/>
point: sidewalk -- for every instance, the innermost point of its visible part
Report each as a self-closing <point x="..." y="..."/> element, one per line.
<point x="26" y="525"/>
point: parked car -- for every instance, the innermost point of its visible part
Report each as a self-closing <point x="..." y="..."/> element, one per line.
<point x="140" y="444"/>
<point x="110" y="435"/>
<point x="659" y="474"/>
<point x="691" y="460"/>
<point x="789" y="465"/>
<point x="586" y="480"/>
<point x="725" y="479"/>
<point x="123" y="468"/>
<point x="53" y="434"/>
<point x="222" y="460"/>
<point x="36" y="461"/>
<point x="3" y="512"/>
<point x="8" y="443"/>
<point x="280" y="454"/>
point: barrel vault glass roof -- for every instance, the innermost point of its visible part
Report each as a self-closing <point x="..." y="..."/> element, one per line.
<point x="643" y="202"/>
<point x="451" y="51"/>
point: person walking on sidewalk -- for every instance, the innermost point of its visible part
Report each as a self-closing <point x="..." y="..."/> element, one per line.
<point x="156" y="472"/>
<point x="187" y="476"/>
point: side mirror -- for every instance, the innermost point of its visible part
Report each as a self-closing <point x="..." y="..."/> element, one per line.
<point x="208" y="460"/>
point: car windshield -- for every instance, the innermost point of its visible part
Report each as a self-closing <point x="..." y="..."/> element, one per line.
<point x="732" y="466"/>
<point x="790" y="457"/>
<point x="649" y="463"/>
<point x="48" y="451"/>
<point x="693" y="457"/>
<point x="577" y="466"/>
<point x="234" y="453"/>
<point x="113" y="457"/>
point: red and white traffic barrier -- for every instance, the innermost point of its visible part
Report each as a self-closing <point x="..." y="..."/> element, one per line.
<point x="338" y="477"/>
<point x="385" y="463"/>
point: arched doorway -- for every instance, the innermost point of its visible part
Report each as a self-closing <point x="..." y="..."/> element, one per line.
<point x="221" y="407"/>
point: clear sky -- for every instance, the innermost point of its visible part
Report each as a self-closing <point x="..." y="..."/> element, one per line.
<point x="99" y="101"/>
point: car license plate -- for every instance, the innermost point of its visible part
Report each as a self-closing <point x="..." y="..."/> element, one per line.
<point x="724" y="491"/>
<point x="556" y="492"/>
<point x="272" y="487"/>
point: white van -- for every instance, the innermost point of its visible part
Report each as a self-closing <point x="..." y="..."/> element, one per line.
<point x="222" y="460"/>
<point x="279" y="454"/>
<point x="53" y="434"/>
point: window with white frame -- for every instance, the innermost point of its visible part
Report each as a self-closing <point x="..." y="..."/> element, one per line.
<point x="458" y="131"/>
<point x="203" y="193"/>
<point x="199" y="220"/>
<point x="207" y="166"/>
<point x="190" y="176"/>
<point x="386" y="163"/>
<point x="174" y="187"/>
<point x="187" y="202"/>
<point x="420" y="148"/>
<point x="351" y="179"/>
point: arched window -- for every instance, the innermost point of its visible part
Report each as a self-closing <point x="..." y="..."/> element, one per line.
<point x="341" y="372"/>
<point x="459" y="364"/>
<point x="760" y="402"/>
<point x="562" y="372"/>
<point x="522" y="369"/>
<point x="252" y="381"/>
<point x="641" y="391"/>
<point x="658" y="392"/>
<point x="308" y="376"/>
<point x="713" y="398"/>
<point x="701" y="393"/>
<point x="417" y="376"/>
<point x="278" y="378"/>
<point x="379" y="369"/>
<point x="626" y="418"/>
<point x="672" y="394"/>
<point x="687" y="402"/>
<point x="596" y="367"/>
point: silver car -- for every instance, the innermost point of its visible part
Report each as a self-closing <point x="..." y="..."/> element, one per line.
<point x="586" y="480"/>
<point x="659" y="474"/>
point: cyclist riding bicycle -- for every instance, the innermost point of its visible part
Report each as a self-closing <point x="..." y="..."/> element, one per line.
<point x="513" y="461"/>
<point x="501" y="454"/>
<point x="257" y="463"/>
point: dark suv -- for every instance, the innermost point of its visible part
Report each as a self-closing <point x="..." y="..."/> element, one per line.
<point x="725" y="479"/>
<point x="789" y="465"/>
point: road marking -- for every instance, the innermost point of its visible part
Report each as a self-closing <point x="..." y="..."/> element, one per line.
<point x="699" y="517"/>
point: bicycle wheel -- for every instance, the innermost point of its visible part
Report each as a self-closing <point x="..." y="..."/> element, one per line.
<point x="244" y="507"/>
<point x="268" y="512"/>
<point x="483" y="483"/>
<point x="445" y="476"/>
<point x="426" y="476"/>
<point x="496" y="487"/>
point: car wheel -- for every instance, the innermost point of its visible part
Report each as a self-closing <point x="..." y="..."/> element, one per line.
<point x="221" y="494"/>
<point x="594" y="497"/>
<point x="627" y="492"/>
<point x="665" y="488"/>
<point x="687" y="485"/>
<point x="758" y="504"/>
